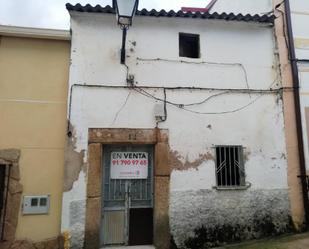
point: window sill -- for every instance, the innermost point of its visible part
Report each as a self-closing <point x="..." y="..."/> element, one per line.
<point x="220" y="188"/>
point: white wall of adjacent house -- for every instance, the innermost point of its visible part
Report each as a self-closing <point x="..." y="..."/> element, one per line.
<point x="243" y="6"/>
<point x="300" y="20"/>
<point x="233" y="55"/>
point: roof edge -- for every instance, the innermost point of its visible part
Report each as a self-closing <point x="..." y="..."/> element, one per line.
<point x="39" y="33"/>
<point x="179" y="14"/>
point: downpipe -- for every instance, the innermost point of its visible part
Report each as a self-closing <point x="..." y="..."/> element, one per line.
<point x="294" y="67"/>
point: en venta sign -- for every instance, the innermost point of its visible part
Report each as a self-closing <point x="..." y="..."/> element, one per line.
<point x="129" y="165"/>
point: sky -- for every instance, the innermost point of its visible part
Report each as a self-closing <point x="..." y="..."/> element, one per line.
<point x="53" y="14"/>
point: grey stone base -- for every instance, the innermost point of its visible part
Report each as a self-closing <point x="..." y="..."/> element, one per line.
<point x="206" y="218"/>
<point x="77" y="223"/>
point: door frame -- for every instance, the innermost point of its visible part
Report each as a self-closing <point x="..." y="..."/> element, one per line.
<point x="97" y="137"/>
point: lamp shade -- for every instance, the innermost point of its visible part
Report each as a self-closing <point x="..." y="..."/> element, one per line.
<point x="125" y="10"/>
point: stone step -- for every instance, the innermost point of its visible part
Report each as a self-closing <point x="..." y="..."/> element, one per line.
<point x="130" y="247"/>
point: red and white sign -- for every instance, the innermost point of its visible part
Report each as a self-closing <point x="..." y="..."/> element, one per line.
<point x="129" y="165"/>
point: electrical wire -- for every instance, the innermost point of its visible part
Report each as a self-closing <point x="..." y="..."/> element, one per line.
<point x="180" y="106"/>
<point x="225" y="112"/>
<point x="121" y="108"/>
<point x="140" y="90"/>
<point x="201" y="63"/>
<point x="165" y="108"/>
<point x="207" y="99"/>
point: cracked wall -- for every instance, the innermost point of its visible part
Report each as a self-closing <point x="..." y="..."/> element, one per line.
<point x="259" y="127"/>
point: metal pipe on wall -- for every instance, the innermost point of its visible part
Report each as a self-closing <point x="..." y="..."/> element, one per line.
<point x="302" y="163"/>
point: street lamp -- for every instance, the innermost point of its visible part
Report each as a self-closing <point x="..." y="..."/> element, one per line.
<point x="125" y="10"/>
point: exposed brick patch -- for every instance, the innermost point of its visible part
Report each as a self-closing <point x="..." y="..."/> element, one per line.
<point x="74" y="163"/>
<point x="178" y="162"/>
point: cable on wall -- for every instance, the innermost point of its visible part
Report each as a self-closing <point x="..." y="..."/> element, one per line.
<point x="142" y="91"/>
<point x="201" y="63"/>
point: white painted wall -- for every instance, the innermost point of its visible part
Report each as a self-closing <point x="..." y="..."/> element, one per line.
<point x="300" y="20"/>
<point x="259" y="127"/>
<point x="243" y="6"/>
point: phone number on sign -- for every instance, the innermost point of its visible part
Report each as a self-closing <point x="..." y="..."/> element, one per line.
<point x="129" y="162"/>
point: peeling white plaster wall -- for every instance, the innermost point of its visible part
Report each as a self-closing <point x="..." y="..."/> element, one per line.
<point x="259" y="127"/>
<point x="73" y="211"/>
<point x="78" y="193"/>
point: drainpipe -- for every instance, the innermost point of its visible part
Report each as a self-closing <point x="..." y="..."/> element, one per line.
<point x="302" y="164"/>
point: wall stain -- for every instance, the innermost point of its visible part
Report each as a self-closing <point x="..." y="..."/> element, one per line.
<point x="178" y="162"/>
<point x="73" y="163"/>
<point x="208" y="237"/>
<point x="247" y="154"/>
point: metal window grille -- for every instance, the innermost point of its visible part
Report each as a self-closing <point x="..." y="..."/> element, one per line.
<point x="230" y="166"/>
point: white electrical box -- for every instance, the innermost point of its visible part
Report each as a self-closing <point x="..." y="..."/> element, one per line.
<point x="38" y="204"/>
<point x="159" y="112"/>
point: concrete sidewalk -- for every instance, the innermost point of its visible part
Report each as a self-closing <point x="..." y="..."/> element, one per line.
<point x="295" y="241"/>
<point x="129" y="247"/>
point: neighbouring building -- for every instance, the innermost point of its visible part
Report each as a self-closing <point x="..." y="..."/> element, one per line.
<point x="298" y="43"/>
<point x="34" y="67"/>
<point x="293" y="113"/>
<point x="243" y="6"/>
<point x="185" y="142"/>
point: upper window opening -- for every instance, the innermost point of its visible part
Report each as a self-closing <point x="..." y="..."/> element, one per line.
<point x="230" y="166"/>
<point x="189" y="45"/>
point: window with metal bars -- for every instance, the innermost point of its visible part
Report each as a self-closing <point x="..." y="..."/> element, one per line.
<point x="230" y="169"/>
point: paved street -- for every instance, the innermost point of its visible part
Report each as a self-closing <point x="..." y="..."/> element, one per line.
<point x="298" y="241"/>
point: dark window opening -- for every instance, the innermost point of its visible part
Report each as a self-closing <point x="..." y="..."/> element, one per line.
<point x="189" y="45"/>
<point x="34" y="202"/>
<point x="3" y="196"/>
<point x="2" y="187"/>
<point x="229" y="166"/>
<point x="43" y="202"/>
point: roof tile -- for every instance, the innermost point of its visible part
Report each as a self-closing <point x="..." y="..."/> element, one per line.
<point x="162" y="13"/>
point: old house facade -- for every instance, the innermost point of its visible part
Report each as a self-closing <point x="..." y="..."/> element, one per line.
<point x="199" y="101"/>
<point x="33" y="84"/>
